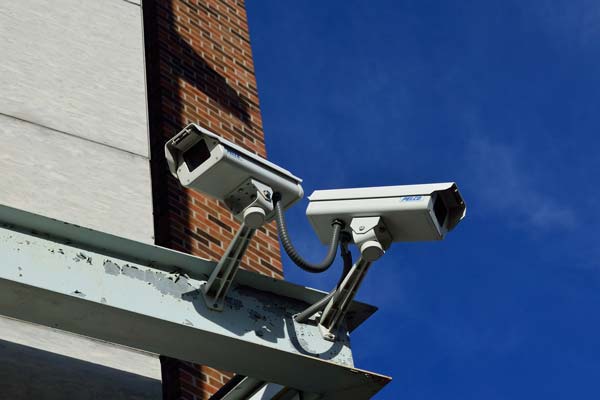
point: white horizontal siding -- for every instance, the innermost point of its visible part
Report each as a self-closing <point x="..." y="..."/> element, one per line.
<point x="74" y="146"/>
<point x="81" y="348"/>
<point x="42" y="363"/>
<point x="75" y="180"/>
<point x="76" y="66"/>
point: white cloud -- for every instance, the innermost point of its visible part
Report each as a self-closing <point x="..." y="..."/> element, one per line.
<point x="506" y="184"/>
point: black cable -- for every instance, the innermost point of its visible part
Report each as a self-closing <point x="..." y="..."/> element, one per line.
<point x="320" y="305"/>
<point x="346" y="256"/>
<point x="311" y="310"/>
<point x="291" y="251"/>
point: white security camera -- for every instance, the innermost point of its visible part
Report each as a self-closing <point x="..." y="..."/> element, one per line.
<point x="390" y="213"/>
<point x="214" y="166"/>
<point x="256" y="191"/>
<point x="211" y="165"/>
<point x="375" y="217"/>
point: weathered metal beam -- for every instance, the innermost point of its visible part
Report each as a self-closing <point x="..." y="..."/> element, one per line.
<point x="239" y="388"/>
<point x="149" y="298"/>
<point x="247" y="388"/>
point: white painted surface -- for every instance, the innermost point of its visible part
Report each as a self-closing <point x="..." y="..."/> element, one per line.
<point x="75" y="180"/>
<point x="75" y="70"/>
<point x="80" y="348"/>
<point x="76" y="66"/>
<point x="74" y="146"/>
<point x="42" y="363"/>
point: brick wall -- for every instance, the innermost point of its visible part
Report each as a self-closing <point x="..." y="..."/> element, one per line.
<point x="200" y="69"/>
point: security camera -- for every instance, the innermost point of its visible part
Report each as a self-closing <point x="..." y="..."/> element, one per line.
<point x="390" y="214"/>
<point x="245" y="182"/>
<point x="214" y="166"/>
<point x="256" y="191"/>
<point x="375" y="218"/>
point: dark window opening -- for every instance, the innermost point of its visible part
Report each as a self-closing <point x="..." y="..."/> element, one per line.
<point x="440" y="211"/>
<point x="196" y="155"/>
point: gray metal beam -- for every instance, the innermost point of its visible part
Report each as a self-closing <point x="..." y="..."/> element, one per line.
<point x="149" y="298"/>
<point x="239" y="388"/>
<point x="247" y="388"/>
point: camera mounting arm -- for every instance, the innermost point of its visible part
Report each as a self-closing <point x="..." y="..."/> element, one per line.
<point x="336" y="309"/>
<point x="411" y="213"/>
<point x="250" y="202"/>
<point x="213" y="166"/>
<point x="218" y="284"/>
<point x="372" y="238"/>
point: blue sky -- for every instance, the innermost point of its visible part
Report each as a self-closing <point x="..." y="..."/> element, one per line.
<point x="501" y="97"/>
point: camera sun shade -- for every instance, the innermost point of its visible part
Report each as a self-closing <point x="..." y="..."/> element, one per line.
<point x="245" y="182"/>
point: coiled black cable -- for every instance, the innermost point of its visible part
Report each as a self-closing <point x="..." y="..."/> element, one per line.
<point x="291" y="251"/>
<point x="321" y="304"/>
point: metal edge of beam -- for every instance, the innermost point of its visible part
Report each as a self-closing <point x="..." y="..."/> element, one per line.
<point x="41" y="273"/>
<point x="112" y="324"/>
<point x="163" y="258"/>
<point x="239" y="387"/>
<point x="245" y="388"/>
<point x="228" y="387"/>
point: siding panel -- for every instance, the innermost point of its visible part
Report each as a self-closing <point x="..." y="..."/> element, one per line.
<point x="76" y="66"/>
<point x="75" y="180"/>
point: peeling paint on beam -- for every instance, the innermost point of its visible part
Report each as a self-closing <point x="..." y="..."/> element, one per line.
<point x="96" y="293"/>
<point x="167" y="260"/>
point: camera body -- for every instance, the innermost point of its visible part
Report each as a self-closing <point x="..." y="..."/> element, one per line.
<point x="410" y="212"/>
<point x="209" y="164"/>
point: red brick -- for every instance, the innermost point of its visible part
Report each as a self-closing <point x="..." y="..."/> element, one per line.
<point x="201" y="70"/>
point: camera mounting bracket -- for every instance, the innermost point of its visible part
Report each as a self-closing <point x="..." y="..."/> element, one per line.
<point x="251" y="202"/>
<point x="372" y="238"/>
